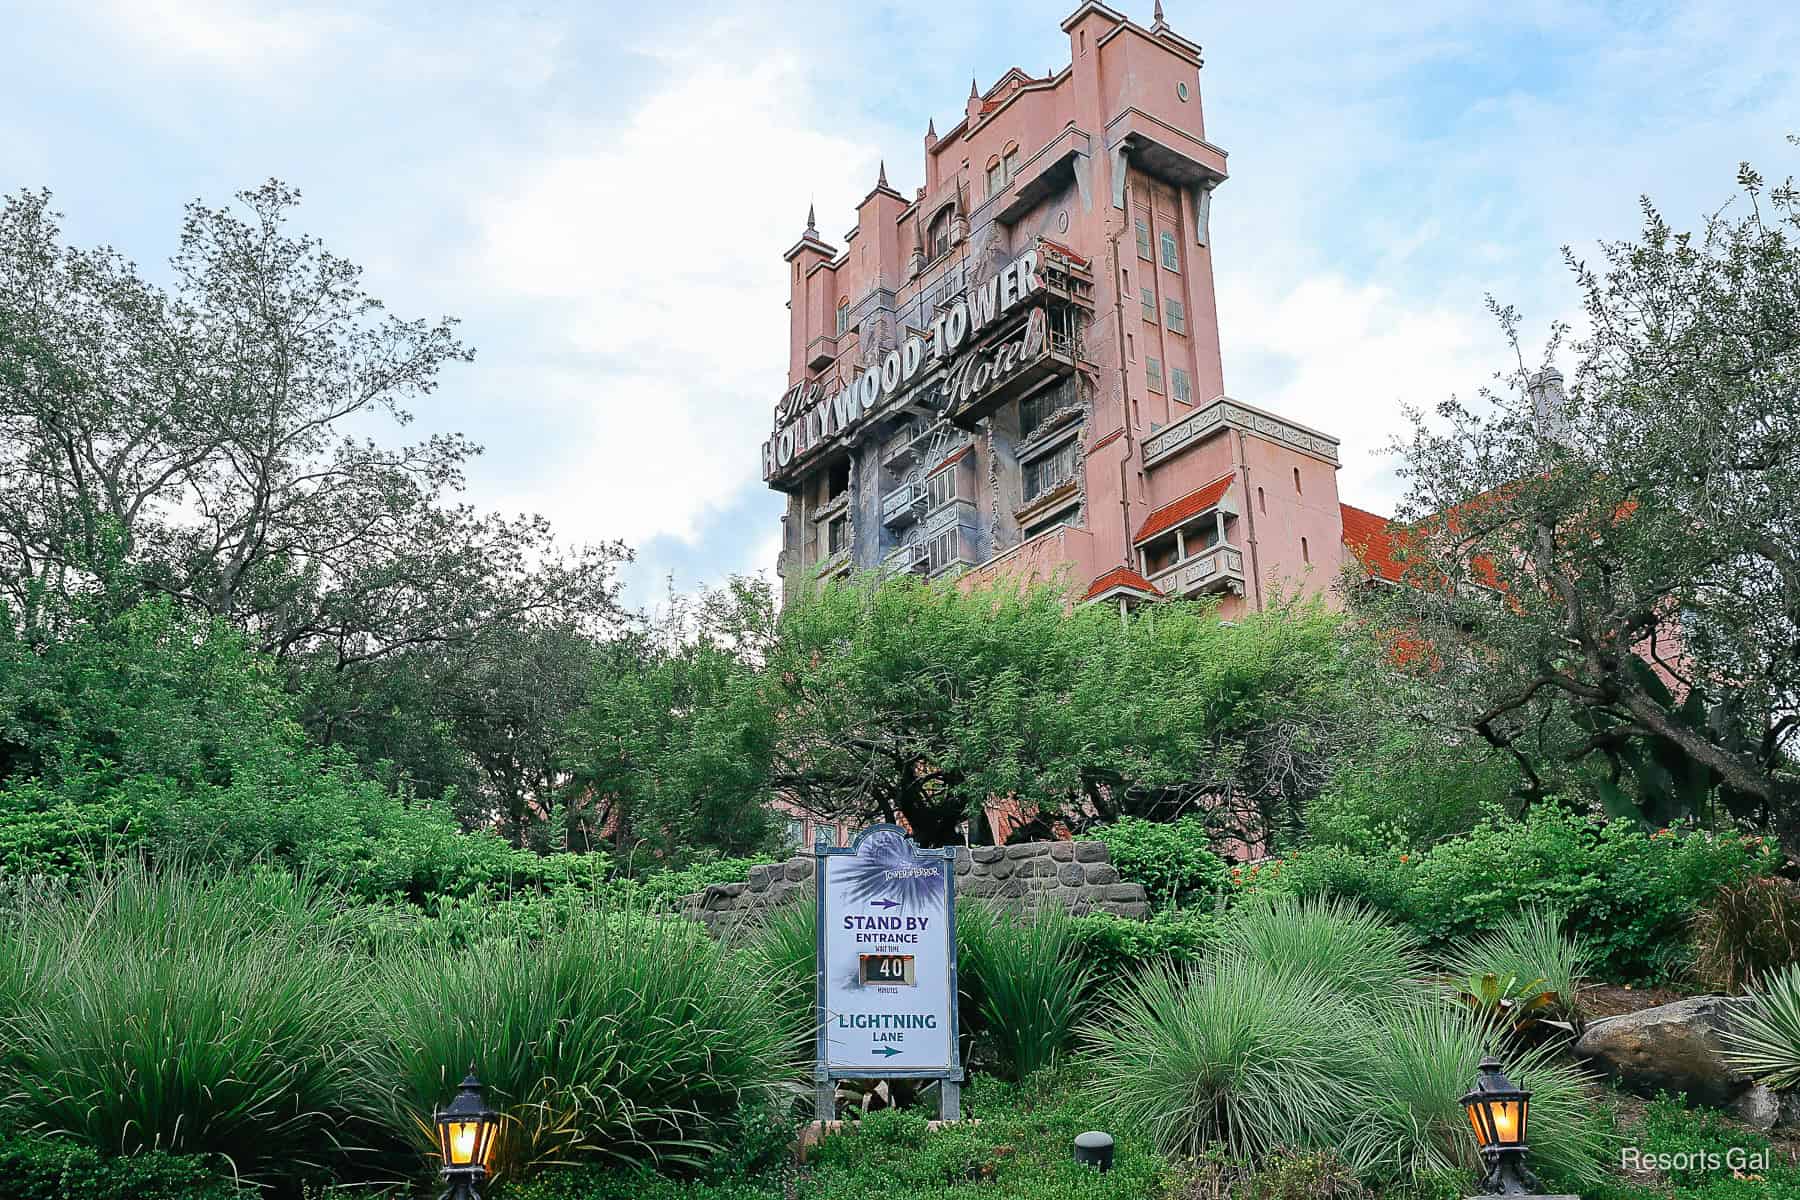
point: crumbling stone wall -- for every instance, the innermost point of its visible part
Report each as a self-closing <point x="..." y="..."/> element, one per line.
<point x="1074" y="876"/>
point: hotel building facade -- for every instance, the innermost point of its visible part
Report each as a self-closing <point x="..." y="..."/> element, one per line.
<point x="1015" y="370"/>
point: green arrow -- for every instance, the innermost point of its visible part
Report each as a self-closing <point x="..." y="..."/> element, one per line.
<point x="887" y="1050"/>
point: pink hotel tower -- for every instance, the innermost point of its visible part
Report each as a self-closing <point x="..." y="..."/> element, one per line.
<point x="1015" y="370"/>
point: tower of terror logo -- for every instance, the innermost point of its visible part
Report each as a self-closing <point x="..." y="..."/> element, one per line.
<point x="806" y="416"/>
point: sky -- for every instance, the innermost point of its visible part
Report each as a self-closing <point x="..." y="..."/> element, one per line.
<point x="601" y="193"/>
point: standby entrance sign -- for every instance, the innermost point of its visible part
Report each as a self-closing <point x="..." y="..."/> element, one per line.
<point x="887" y="963"/>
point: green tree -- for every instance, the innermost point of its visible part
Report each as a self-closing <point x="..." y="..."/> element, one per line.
<point x="203" y="441"/>
<point x="671" y="751"/>
<point x="1612" y="578"/>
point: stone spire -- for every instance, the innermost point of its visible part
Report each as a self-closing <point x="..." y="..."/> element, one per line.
<point x="881" y="180"/>
<point x="931" y="127"/>
<point x="974" y="92"/>
<point x="812" y="224"/>
<point x="1157" y="17"/>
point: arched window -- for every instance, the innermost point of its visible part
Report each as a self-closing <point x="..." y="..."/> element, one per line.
<point x="843" y="316"/>
<point x="996" y="179"/>
<point x="940" y="231"/>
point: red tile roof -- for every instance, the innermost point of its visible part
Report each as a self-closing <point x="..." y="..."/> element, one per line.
<point x="1177" y="511"/>
<point x="1120" y="577"/>
<point x="1371" y="539"/>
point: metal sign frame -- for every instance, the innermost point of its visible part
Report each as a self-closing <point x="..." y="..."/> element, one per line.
<point x="825" y="1077"/>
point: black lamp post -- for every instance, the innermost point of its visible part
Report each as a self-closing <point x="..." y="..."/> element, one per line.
<point x="465" y="1139"/>
<point x="1497" y="1113"/>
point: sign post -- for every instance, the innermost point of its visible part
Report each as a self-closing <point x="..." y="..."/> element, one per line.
<point x="886" y="961"/>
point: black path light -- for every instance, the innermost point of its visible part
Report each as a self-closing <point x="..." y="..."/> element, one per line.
<point x="1498" y="1111"/>
<point x="1094" y="1149"/>
<point x="465" y="1139"/>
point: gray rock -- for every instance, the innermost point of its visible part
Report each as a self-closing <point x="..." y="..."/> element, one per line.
<point x="1001" y="869"/>
<point x="1137" y="912"/>
<point x="1758" y="1106"/>
<point x="1790" y="1109"/>
<point x="1673" y="1047"/>
<point x="1129" y="893"/>
<point x="759" y="879"/>
<point x="799" y="868"/>
<point x="1025" y="850"/>
<point x="1070" y="874"/>
<point x="1010" y="889"/>
<point x="988" y="854"/>
<point x="1102" y="873"/>
<point x="963" y="866"/>
<point x="1062" y="851"/>
<point x="1091" y="852"/>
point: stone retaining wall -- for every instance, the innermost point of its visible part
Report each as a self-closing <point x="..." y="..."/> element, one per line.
<point x="1075" y="876"/>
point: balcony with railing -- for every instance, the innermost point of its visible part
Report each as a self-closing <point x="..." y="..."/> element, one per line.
<point x="1056" y="355"/>
<point x="1219" y="567"/>
<point x="911" y="556"/>
<point x="904" y="444"/>
<point x="904" y="505"/>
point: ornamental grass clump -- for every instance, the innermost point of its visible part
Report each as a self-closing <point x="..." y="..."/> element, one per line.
<point x="1356" y="953"/>
<point x="621" y="1037"/>
<point x="1746" y="932"/>
<point x="1423" y="1059"/>
<point x="156" y="1010"/>
<point x="1532" y="949"/>
<point x="1030" y="982"/>
<point x="1764" y="1041"/>
<point x="1231" y="1051"/>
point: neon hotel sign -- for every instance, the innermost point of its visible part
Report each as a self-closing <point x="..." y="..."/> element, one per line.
<point x="806" y="416"/>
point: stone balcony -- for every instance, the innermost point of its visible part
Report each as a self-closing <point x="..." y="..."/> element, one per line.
<point x="1217" y="568"/>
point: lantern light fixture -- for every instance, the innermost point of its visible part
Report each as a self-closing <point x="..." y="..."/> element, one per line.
<point x="1498" y="1111"/>
<point x="466" y="1129"/>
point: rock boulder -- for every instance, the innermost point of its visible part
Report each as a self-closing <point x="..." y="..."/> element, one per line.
<point x="1673" y="1047"/>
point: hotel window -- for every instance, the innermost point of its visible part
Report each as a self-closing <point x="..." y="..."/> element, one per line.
<point x="1262" y="501"/>
<point x="1050" y="472"/>
<point x="1143" y="238"/>
<point x="1153" y="373"/>
<point x="940" y="233"/>
<point x="1011" y="165"/>
<point x="940" y="489"/>
<point x="1171" y="255"/>
<point x="1297" y="481"/>
<point x="1038" y="407"/>
<point x="1147" y="297"/>
<point x="1176" y="314"/>
<point x="945" y="549"/>
<point x="1179" y="386"/>
<point x="1305" y="554"/>
<point x="995" y="179"/>
<point x="837" y="536"/>
<point x="843" y="317"/>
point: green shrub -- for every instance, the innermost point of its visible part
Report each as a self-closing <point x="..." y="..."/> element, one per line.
<point x="1423" y="1059"/>
<point x="160" y="1011"/>
<point x="1349" y="949"/>
<point x="1117" y="947"/>
<point x="1688" y="1136"/>
<point x="1764" y="1042"/>
<point x="620" y="1037"/>
<point x="1632" y="894"/>
<point x="39" y="1168"/>
<point x="1229" y="1052"/>
<point x="1032" y="985"/>
<point x="1749" y="930"/>
<point x="1533" y="949"/>
<point x="1412" y="789"/>
<point x="1174" y="860"/>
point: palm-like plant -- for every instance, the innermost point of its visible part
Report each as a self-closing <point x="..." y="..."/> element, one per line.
<point x="1764" y="1040"/>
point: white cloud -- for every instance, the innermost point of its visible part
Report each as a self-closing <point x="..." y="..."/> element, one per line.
<point x="650" y="252"/>
<point x="239" y="36"/>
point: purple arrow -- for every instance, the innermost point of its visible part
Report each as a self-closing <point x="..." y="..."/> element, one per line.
<point x="884" y="904"/>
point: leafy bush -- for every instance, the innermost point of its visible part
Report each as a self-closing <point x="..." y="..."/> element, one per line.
<point x="1032" y="984"/>
<point x="1352" y="951"/>
<point x="1764" y="1042"/>
<point x="1230" y="1051"/>
<point x="1633" y="894"/>
<point x="1174" y="860"/>
<point x="40" y="1168"/>
<point x="1689" y="1137"/>
<point x="1533" y="949"/>
<point x="620" y="1037"/>
<point x="157" y="1011"/>
<point x="1116" y="947"/>
<point x="1409" y="790"/>
<point x="1746" y="932"/>
<point x="1423" y="1061"/>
